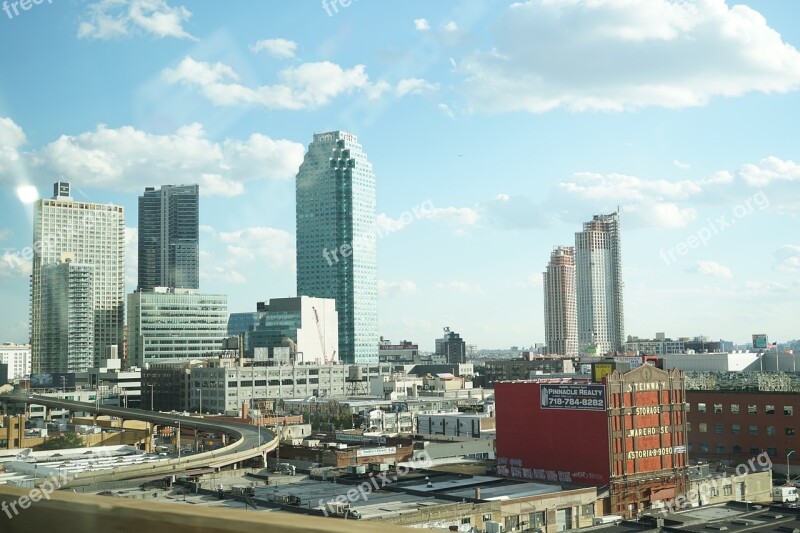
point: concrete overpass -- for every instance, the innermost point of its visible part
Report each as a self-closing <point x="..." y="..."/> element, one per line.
<point x="246" y="443"/>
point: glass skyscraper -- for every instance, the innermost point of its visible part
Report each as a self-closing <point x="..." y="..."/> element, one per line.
<point x="169" y="237"/>
<point x="598" y="273"/>
<point x="85" y="233"/>
<point x="336" y="239"/>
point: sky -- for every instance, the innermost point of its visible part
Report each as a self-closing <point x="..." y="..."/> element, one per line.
<point x="495" y="130"/>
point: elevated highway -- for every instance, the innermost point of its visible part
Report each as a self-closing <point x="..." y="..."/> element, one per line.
<point x="244" y="441"/>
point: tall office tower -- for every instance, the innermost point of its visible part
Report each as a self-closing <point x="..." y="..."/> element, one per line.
<point x="598" y="275"/>
<point x="336" y="234"/>
<point x="560" y="308"/>
<point x="67" y="339"/>
<point x="169" y="237"/>
<point x="90" y="234"/>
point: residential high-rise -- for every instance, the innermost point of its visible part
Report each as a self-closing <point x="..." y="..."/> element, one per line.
<point x="452" y="347"/>
<point x="67" y="339"/>
<point x="336" y="239"/>
<point x="18" y="359"/>
<point x="169" y="222"/>
<point x="560" y="307"/>
<point x="89" y="234"/>
<point x="171" y="323"/>
<point x="598" y="275"/>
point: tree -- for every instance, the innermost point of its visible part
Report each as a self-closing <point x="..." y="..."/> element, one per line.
<point x="67" y="440"/>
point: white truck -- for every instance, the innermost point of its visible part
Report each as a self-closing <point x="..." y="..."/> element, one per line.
<point x="784" y="494"/>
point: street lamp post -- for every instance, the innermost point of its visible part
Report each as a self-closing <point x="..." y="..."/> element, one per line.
<point x="788" y="476"/>
<point x="178" y="439"/>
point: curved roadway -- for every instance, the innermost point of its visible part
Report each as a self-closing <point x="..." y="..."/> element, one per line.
<point x="245" y="437"/>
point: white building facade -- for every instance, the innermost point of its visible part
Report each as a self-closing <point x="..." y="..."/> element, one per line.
<point x="598" y="277"/>
<point x="18" y="359"/>
<point x="175" y="323"/>
<point x="90" y="234"/>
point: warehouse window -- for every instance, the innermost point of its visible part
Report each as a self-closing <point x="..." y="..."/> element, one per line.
<point x="727" y="490"/>
<point x="789" y="432"/>
<point x="754" y="430"/>
<point x="718" y="428"/>
<point x="754" y="451"/>
<point x="788" y="410"/>
<point x="734" y="408"/>
<point x="717" y="408"/>
<point x="737" y="448"/>
<point x="720" y="448"/>
<point x="703" y="447"/>
<point x="701" y="408"/>
<point x="714" y="492"/>
<point x="703" y="427"/>
<point x="770" y="431"/>
<point x="772" y="452"/>
<point x="770" y="409"/>
<point x="752" y="409"/>
<point x="736" y="429"/>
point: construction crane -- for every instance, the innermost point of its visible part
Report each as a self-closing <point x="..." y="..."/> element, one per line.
<point x="321" y="336"/>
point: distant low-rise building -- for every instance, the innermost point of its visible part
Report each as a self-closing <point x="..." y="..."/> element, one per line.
<point x="452" y="347"/>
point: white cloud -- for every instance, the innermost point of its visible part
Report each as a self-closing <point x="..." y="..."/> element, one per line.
<point x="307" y="86"/>
<point x="392" y="288"/>
<point x="446" y="110"/>
<point x="270" y="247"/>
<point x="614" y="55"/>
<point x="280" y="48"/>
<point x="5" y="234"/>
<point x="681" y="165"/>
<point x="460" y="286"/>
<point x="415" y="86"/>
<point x="713" y="269"/>
<point x="126" y="159"/>
<point x="422" y="24"/>
<point x="451" y="26"/>
<point x="13" y="265"/>
<point x="647" y="202"/>
<point x="108" y="19"/>
<point x="788" y="257"/>
<point x="11" y="139"/>
<point x="769" y="170"/>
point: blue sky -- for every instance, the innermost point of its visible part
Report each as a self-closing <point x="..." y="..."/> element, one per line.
<point x="509" y="125"/>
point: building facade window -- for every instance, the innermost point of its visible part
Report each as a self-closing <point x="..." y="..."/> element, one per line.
<point x="770" y="431"/>
<point x="736" y="429"/>
<point x="752" y="409"/>
<point x="701" y="408"/>
<point x="703" y="427"/>
<point x="717" y="408"/>
<point x="734" y="408"/>
<point x="769" y="409"/>
<point x="788" y="410"/>
<point x="772" y="452"/>
<point x="754" y="430"/>
<point x="789" y="432"/>
<point x="718" y="428"/>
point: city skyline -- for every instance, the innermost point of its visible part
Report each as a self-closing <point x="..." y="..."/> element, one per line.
<point x="703" y="169"/>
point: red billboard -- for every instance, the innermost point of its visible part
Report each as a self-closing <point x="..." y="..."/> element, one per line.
<point x="566" y="442"/>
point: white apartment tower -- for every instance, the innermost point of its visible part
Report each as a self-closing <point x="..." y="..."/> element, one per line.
<point x="560" y="303"/>
<point x="88" y="234"/>
<point x="598" y="275"/>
